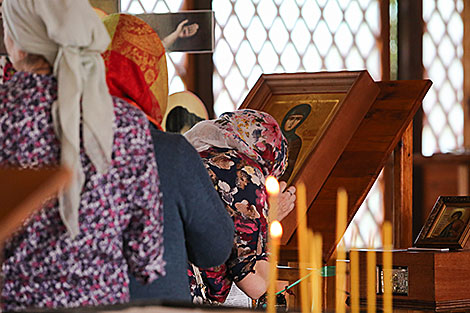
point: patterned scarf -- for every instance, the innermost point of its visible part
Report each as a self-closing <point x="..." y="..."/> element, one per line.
<point x="136" y="65"/>
<point x="253" y="133"/>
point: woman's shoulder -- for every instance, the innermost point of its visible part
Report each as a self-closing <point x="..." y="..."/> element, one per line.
<point x="22" y="83"/>
<point x="174" y="146"/>
<point x="128" y="115"/>
<point x="219" y="153"/>
<point x="220" y="158"/>
<point x="231" y="162"/>
<point x="31" y="92"/>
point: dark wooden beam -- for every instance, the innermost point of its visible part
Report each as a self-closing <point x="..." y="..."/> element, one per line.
<point x="384" y="46"/>
<point x="384" y="40"/>
<point x="200" y="66"/>
<point x="410" y="66"/>
<point x="410" y="53"/>
<point x="403" y="210"/>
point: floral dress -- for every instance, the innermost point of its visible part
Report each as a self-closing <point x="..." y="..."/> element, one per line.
<point x="239" y="149"/>
<point x="120" y="214"/>
<point x="240" y="183"/>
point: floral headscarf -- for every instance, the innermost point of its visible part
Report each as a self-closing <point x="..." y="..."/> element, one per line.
<point x="253" y="133"/>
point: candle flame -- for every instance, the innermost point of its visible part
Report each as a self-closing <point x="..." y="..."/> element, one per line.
<point x="275" y="229"/>
<point x="272" y="185"/>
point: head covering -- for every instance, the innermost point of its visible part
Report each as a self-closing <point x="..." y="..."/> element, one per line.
<point x="136" y="65"/>
<point x="184" y="109"/>
<point x="253" y="133"/>
<point x="70" y="36"/>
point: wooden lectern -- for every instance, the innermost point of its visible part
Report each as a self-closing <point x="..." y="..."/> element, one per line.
<point x="346" y="145"/>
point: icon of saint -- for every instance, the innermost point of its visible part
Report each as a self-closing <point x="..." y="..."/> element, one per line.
<point x="291" y="121"/>
<point x="455" y="226"/>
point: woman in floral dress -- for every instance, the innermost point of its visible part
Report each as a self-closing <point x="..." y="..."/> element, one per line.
<point x="239" y="150"/>
<point x="56" y="110"/>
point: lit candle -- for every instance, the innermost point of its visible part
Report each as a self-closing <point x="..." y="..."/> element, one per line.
<point x="371" y="280"/>
<point x="302" y="245"/>
<point x="387" y="267"/>
<point x="272" y="187"/>
<point x="341" y="215"/>
<point x="316" y="278"/>
<point x="275" y="233"/>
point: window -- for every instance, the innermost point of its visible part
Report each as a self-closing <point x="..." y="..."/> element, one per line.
<point x="268" y="36"/>
<point x="442" y="60"/>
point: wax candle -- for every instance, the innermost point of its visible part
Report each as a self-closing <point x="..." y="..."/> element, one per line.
<point x="301" y="207"/>
<point x="371" y="280"/>
<point x="316" y="277"/>
<point x="387" y="267"/>
<point x="312" y="251"/>
<point x="341" y="215"/>
<point x="275" y="233"/>
<point x="272" y="187"/>
<point x="354" y="265"/>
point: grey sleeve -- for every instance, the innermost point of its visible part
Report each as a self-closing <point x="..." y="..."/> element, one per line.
<point x="209" y="229"/>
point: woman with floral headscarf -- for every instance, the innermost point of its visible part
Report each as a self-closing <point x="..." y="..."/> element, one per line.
<point x="76" y="250"/>
<point x="239" y="150"/>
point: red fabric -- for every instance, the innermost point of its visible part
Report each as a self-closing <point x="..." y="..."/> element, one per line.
<point x="135" y="64"/>
<point x="126" y="81"/>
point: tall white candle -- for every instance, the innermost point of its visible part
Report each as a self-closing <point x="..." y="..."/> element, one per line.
<point x="387" y="267"/>
<point x="341" y="216"/>
<point x="302" y="240"/>
<point x="275" y="233"/>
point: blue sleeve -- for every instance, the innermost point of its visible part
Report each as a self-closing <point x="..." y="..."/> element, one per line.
<point x="208" y="228"/>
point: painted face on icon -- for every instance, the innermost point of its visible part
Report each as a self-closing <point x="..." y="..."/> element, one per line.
<point x="292" y="122"/>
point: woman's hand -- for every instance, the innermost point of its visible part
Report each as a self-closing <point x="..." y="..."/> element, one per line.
<point x="286" y="200"/>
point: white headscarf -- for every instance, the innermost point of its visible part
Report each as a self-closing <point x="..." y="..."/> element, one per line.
<point x="70" y="35"/>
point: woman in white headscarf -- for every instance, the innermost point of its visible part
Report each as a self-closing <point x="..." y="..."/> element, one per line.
<point x="77" y="250"/>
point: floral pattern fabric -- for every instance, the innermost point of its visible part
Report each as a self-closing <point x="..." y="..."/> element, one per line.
<point x="253" y="133"/>
<point x="120" y="213"/>
<point x="240" y="184"/>
<point x="251" y="148"/>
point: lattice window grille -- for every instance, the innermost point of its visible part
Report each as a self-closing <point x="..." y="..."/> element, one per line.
<point x="267" y="36"/>
<point x="442" y="60"/>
